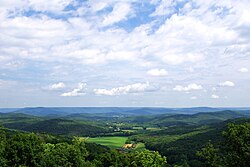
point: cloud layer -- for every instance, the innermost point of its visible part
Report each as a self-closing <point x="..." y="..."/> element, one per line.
<point x="119" y="47"/>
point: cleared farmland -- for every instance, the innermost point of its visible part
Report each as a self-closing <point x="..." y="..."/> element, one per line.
<point x="112" y="142"/>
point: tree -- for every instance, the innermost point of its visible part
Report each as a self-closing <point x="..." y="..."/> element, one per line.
<point x="148" y="159"/>
<point x="64" y="154"/>
<point x="209" y="154"/>
<point x="237" y="145"/>
<point x="24" y="150"/>
<point x="234" y="152"/>
<point x="2" y="148"/>
<point x="113" y="159"/>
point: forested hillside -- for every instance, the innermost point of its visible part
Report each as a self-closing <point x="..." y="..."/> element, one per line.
<point x="181" y="143"/>
<point x="70" y="140"/>
<point x="55" y="126"/>
<point x="29" y="149"/>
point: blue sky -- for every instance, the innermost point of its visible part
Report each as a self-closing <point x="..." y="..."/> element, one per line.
<point x="164" y="53"/>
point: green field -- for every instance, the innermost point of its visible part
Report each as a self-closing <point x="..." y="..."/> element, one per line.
<point x="153" y="128"/>
<point x="112" y="142"/>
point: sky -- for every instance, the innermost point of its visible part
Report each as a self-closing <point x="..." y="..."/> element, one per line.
<point x="158" y="53"/>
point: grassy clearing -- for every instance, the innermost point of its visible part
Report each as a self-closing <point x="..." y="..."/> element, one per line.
<point x="112" y="142"/>
<point x="153" y="129"/>
<point x="137" y="128"/>
<point x="129" y="130"/>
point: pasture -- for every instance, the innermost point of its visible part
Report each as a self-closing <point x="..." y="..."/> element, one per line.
<point x="112" y="142"/>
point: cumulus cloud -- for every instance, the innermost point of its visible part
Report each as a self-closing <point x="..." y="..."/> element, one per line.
<point x="227" y="83"/>
<point x="243" y="70"/>
<point x="214" y="96"/>
<point x="67" y="37"/>
<point x="187" y="88"/>
<point x="80" y="90"/>
<point x="157" y="72"/>
<point x="57" y="86"/>
<point x="134" y="88"/>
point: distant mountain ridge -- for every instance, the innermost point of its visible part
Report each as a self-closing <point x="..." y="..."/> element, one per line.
<point x="63" y="111"/>
<point x="189" y="119"/>
<point x="198" y="118"/>
<point x="87" y="124"/>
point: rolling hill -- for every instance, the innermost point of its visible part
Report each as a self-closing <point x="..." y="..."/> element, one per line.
<point x="55" y="126"/>
<point x="187" y="119"/>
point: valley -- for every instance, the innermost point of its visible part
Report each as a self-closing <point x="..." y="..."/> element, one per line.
<point x="177" y="136"/>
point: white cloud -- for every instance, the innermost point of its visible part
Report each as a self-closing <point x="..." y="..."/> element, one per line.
<point x="98" y="5"/>
<point x="51" y="5"/>
<point x="193" y="98"/>
<point x="157" y="72"/>
<point x="80" y="90"/>
<point x="214" y="96"/>
<point x="134" y="88"/>
<point x="243" y="70"/>
<point x="164" y="8"/>
<point x="227" y="83"/>
<point x="175" y="42"/>
<point x="120" y="12"/>
<point x="175" y="38"/>
<point x="176" y="59"/>
<point x="19" y="6"/>
<point x="57" y="86"/>
<point x="190" y="87"/>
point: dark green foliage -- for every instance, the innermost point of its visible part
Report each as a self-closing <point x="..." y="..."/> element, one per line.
<point x="24" y="149"/>
<point x="53" y="139"/>
<point x="64" y="127"/>
<point x="180" y="143"/>
<point x="64" y="154"/>
<point x="95" y="149"/>
<point x="234" y="151"/>
<point x="237" y="145"/>
<point x="148" y="159"/>
<point x="137" y="159"/>
<point x="210" y="154"/>
<point x="2" y="148"/>
<point x="29" y="149"/>
<point x="196" y="119"/>
<point x="58" y="127"/>
<point x="113" y="158"/>
<point x="188" y="146"/>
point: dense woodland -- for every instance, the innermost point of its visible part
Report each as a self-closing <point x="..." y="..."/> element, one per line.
<point x="201" y="139"/>
<point x="29" y="149"/>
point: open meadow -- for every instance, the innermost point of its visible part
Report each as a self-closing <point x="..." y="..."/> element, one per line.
<point x="113" y="142"/>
